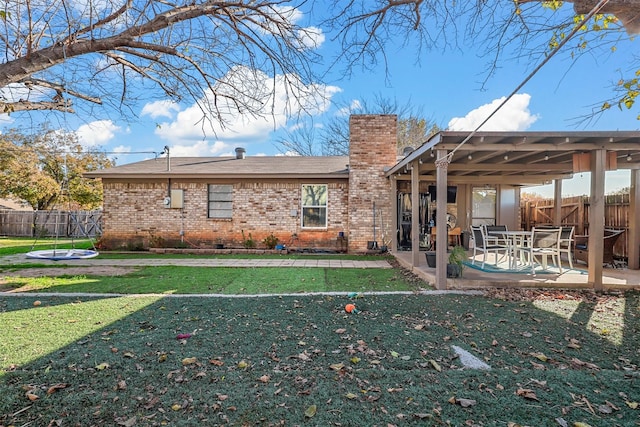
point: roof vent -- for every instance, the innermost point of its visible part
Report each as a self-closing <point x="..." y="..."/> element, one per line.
<point x="240" y="153"/>
<point x="407" y="150"/>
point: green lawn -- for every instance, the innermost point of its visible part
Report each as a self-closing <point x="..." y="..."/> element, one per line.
<point x="556" y="358"/>
<point x="221" y="280"/>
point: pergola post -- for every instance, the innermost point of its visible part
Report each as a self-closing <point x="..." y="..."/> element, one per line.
<point x="633" y="238"/>
<point x="415" y="214"/>
<point x="596" y="219"/>
<point x="442" y="235"/>
<point x="394" y="214"/>
<point x="557" y="197"/>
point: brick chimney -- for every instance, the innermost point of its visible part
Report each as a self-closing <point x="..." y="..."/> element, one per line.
<point x="372" y="148"/>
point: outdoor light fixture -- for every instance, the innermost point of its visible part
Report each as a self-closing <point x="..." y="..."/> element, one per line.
<point x="506" y="157"/>
<point x="431" y="153"/>
<point x="419" y="161"/>
<point x="629" y="158"/>
<point x="470" y="157"/>
<point x="546" y="157"/>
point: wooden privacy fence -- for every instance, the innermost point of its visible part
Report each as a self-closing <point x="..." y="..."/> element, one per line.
<point x="574" y="211"/>
<point x="50" y="223"/>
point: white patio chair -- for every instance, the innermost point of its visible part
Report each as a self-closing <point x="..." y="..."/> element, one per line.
<point x="543" y="243"/>
<point x="482" y="244"/>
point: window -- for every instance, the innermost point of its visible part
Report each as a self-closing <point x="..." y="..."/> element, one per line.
<point x="484" y="206"/>
<point x="220" y="201"/>
<point x="314" y="206"/>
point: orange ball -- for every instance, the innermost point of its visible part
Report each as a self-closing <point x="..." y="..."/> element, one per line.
<point x="349" y="308"/>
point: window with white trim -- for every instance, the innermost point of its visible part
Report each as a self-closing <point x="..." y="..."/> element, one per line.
<point x="314" y="205"/>
<point x="220" y="201"/>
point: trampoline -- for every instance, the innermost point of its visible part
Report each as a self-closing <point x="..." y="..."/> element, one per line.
<point x="62" y="254"/>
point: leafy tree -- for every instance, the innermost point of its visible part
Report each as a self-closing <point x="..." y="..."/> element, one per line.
<point x="45" y="169"/>
<point x="61" y="52"/>
<point x="333" y="138"/>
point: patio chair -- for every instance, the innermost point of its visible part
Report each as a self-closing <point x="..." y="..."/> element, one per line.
<point x="566" y="241"/>
<point x="544" y="242"/>
<point x="495" y="238"/>
<point x="608" y="242"/>
<point x="482" y="244"/>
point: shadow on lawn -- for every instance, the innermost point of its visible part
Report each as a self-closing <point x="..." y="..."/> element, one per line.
<point x="253" y="361"/>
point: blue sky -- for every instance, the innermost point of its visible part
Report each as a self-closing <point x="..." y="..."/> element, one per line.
<point x="444" y="84"/>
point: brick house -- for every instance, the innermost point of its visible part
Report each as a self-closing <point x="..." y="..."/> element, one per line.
<point x="308" y="202"/>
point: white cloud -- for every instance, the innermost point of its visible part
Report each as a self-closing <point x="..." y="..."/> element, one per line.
<point x="288" y="154"/>
<point x="311" y="37"/>
<point x="274" y="101"/>
<point x="355" y="105"/>
<point x="200" y="149"/>
<point x="513" y="116"/>
<point x="160" y="109"/>
<point x="97" y="133"/>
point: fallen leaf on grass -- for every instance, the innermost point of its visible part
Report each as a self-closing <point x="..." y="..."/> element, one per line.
<point x="605" y="409"/>
<point x="580" y="424"/>
<point x="422" y="416"/>
<point x="310" y="411"/>
<point x="102" y="366"/>
<point x="574" y="343"/>
<point x="242" y="365"/>
<point x="540" y="356"/>
<point x="189" y="361"/>
<point x="527" y="393"/>
<point x="176" y="407"/>
<point x="127" y="423"/>
<point x="538" y="366"/>
<point x="32" y="396"/>
<point x="435" y="365"/>
<point x="580" y="363"/>
<point x="56" y="387"/>
<point x="340" y="331"/>
<point x="632" y="405"/>
<point x="465" y="403"/>
<point x="264" y="379"/>
<point x="337" y="366"/>
<point x="216" y="362"/>
<point x="350" y="396"/>
<point x="562" y="422"/>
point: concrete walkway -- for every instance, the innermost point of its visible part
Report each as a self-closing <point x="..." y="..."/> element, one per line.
<point x="201" y="262"/>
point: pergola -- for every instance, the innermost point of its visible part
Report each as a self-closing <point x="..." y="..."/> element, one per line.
<point x="522" y="159"/>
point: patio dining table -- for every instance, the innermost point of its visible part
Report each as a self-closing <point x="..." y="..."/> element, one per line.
<point x="514" y="238"/>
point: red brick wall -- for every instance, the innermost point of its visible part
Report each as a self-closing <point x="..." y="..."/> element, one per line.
<point x="134" y="216"/>
<point x="373" y="141"/>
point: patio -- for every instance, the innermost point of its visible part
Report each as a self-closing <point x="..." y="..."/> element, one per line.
<point x="614" y="279"/>
<point x="504" y="162"/>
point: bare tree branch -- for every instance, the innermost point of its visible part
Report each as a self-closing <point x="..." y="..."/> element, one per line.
<point x="184" y="49"/>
